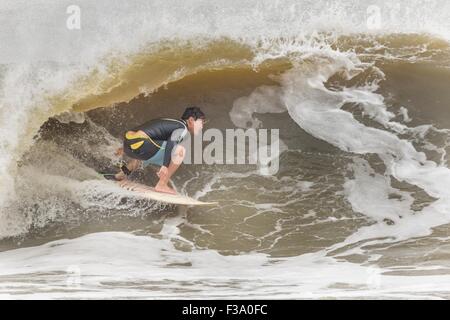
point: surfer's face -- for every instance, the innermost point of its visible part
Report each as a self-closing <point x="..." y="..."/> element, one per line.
<point x="195" y="126"/>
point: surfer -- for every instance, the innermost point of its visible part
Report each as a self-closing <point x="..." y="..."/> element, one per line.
<point x="158" y="142"/>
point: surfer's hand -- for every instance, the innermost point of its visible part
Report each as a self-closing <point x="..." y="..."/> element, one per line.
<point x="163" y="172"/>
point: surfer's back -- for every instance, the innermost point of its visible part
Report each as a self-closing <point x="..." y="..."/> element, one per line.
<point x="161" y="128"/>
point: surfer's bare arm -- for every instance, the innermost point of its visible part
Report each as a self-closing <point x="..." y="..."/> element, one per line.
<point x="165" y="172"/>
<point x="168" y="153"/>
<point x="162" y="172"/>
<point x="174" y="153"/>
<point x="173" y="157"/>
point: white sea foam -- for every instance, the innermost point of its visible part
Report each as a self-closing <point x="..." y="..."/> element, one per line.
<point x="109" y="265"/>
<point x="318" y="111"/>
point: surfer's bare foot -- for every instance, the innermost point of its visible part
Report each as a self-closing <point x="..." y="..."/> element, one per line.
<point x="164" y="188"/>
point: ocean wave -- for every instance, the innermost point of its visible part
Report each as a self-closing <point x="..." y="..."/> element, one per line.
<point x="113" y="67"/>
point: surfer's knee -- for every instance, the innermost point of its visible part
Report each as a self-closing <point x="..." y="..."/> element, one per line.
<point x="178" y="155"/>
<point x="180" y="151"/>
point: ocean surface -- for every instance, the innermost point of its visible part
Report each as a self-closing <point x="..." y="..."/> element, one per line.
<point x="359" y="208"/>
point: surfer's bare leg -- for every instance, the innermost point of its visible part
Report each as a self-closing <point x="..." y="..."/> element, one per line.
<point x="132" y="165"/>
<point x="165" y="173"/>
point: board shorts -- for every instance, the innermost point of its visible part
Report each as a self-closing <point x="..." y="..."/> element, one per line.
<point x="144" y="149"/>
<point x="158" y="157"/>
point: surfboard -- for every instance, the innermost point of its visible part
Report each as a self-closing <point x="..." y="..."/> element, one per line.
<point x="150" y="193"/>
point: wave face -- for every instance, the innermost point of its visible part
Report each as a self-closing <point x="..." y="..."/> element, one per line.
<point x="363" y="186"/>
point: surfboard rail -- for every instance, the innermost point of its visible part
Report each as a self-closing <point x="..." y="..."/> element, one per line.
<point x="150" y="193"/>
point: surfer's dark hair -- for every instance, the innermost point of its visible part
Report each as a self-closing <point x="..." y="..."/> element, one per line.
<point x="194" y="112"/>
